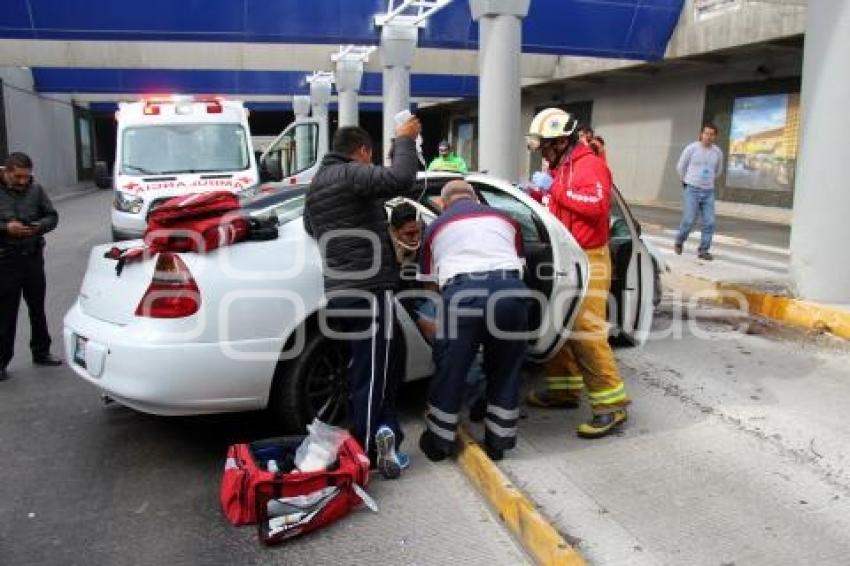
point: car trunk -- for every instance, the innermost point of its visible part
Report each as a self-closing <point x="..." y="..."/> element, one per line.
<point x="111" y="297"/>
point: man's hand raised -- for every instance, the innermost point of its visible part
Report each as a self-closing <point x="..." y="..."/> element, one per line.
<point x="411" y="128"/>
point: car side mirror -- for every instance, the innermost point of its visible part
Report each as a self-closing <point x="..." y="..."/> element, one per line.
<point x="102" y="178"/>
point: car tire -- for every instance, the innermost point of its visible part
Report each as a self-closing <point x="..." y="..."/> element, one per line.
<point x="314" y="384"/>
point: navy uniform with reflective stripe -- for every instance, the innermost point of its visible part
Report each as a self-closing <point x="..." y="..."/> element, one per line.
<point x="476" y="254"/>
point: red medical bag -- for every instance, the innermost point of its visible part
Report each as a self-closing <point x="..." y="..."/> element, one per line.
<point x="288" y="503"/>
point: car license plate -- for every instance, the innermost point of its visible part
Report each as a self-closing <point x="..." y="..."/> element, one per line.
<point x="80" y="350"/>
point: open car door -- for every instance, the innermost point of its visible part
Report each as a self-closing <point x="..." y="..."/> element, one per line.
<point x="632" y="276"/>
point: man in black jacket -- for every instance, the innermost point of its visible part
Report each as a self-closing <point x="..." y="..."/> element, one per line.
<point x="26" y="214"/>
<point x="345" y="213"/>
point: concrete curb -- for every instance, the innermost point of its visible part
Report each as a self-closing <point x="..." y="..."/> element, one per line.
<point x="794" y="312"/>
<point x="539" y="538"/>
<point x="787" y="310"/>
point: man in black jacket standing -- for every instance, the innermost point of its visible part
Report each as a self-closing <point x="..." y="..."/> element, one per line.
<point x="26" y="214"/>
<point x="345" y="213"/>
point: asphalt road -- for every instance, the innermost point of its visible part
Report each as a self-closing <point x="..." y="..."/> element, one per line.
<point x="735" y="453"/>
<point x="88" y="484"/>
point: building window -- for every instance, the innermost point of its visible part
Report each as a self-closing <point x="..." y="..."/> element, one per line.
<point x="466" y="142"/>
<point x="759" y="131"/>
<point x="84" y="142"/>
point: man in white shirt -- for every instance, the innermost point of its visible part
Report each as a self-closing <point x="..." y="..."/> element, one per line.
<point x="699" y="166"/>
<point x="474" y="252"/>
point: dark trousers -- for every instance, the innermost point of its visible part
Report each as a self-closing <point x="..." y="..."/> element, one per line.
<point x="22" y="275"/>
<point x="368" y="322"/>
<point x="464" y="327"/>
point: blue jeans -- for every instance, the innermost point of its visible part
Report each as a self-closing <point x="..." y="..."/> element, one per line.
<point x="697" y="201"/>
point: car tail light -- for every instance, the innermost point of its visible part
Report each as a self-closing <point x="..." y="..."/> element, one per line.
<point x="213" y="108"/>
<point x="172" y="293"/>
<point x="151" y="109"/>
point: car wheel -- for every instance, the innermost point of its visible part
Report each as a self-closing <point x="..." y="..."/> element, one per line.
<point x="315" y="384"/>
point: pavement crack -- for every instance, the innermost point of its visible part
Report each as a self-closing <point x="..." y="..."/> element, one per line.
<point x="654" y="378"/>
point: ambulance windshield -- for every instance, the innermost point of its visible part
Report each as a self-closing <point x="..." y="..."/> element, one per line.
<point x="184" y="148"/>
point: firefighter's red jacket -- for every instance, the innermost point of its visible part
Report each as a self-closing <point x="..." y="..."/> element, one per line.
<point x="581" y="196"/>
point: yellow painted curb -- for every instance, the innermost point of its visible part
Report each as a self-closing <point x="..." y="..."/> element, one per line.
<point x="537" y="536"/>
<point x="803" y="314"/>
<point x="787" y="310"/>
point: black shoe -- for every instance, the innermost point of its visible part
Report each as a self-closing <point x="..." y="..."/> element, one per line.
<point x="706" y="255"/>
<point x="3" y="375"/>
<point x="677" y="248"/>
<point x="428" y="446"/>
<point x="494" y="453"/>
<point x="478" y="410"/>
<point x="47" y="360"/>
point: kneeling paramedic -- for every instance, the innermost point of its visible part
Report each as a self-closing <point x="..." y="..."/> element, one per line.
<point x="476" y="254"/>
<point x="580" y="198"/>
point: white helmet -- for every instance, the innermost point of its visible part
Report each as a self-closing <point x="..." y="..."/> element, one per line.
<point x="550" y="123"/>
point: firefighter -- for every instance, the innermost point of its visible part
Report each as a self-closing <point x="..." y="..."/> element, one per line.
<point x="580" y="198"/>
<point x="475" y="253"/>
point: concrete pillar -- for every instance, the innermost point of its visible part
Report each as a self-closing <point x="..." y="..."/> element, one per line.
<point x="398" y="43"/>
<point x="499" y="50"/>
<point x="820" y="231"/>
<point x="303" y="149"/>
<point x="349" y="73"/>
<point x="320" y="97"/>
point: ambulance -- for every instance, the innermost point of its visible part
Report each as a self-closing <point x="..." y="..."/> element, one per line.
<point x="176" y="145"/>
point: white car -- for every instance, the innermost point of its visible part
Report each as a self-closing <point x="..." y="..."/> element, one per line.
<point x="236" y="329"/>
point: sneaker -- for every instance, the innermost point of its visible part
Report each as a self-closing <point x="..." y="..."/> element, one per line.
<point x="677" y="248"/>
<point x="388" y="460"/>
<point x="403" y="460"/>
<point x="548" y="399"/>
<point x="602" y="425"/>
<point x="706" y="255"/>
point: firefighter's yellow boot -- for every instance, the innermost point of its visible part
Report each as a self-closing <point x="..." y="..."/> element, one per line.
<point x="602" y="425"/>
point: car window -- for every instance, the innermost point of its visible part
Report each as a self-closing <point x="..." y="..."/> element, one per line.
<point x="516" y="209"/>
<point x="618" y="228"/>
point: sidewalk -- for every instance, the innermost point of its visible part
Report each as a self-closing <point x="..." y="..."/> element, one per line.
<point x="71" y="191"/>
<point x="749" y="274"/>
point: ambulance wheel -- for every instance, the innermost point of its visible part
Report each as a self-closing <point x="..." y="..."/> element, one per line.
<point x="314" y="384"/>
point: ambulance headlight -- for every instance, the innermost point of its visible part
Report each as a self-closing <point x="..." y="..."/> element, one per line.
<point x="128" y="203"/>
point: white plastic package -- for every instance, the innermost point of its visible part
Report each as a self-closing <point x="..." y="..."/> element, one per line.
<point x="318" y="451"/>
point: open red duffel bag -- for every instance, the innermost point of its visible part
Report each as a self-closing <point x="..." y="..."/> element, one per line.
<point x="288" y="503"/>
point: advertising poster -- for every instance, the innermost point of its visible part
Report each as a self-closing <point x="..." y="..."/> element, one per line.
<point x="763" y="142"/>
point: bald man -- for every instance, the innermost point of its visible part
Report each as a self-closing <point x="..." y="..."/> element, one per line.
<point x="474" y="253"/>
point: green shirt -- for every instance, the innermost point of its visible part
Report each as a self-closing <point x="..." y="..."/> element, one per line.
<point x="449" y="163"/>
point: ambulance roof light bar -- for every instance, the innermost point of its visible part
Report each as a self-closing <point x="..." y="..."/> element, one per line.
<point x="410" y="12"/>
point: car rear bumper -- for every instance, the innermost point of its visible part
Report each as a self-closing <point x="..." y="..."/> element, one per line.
<point x="167" y="379"/>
